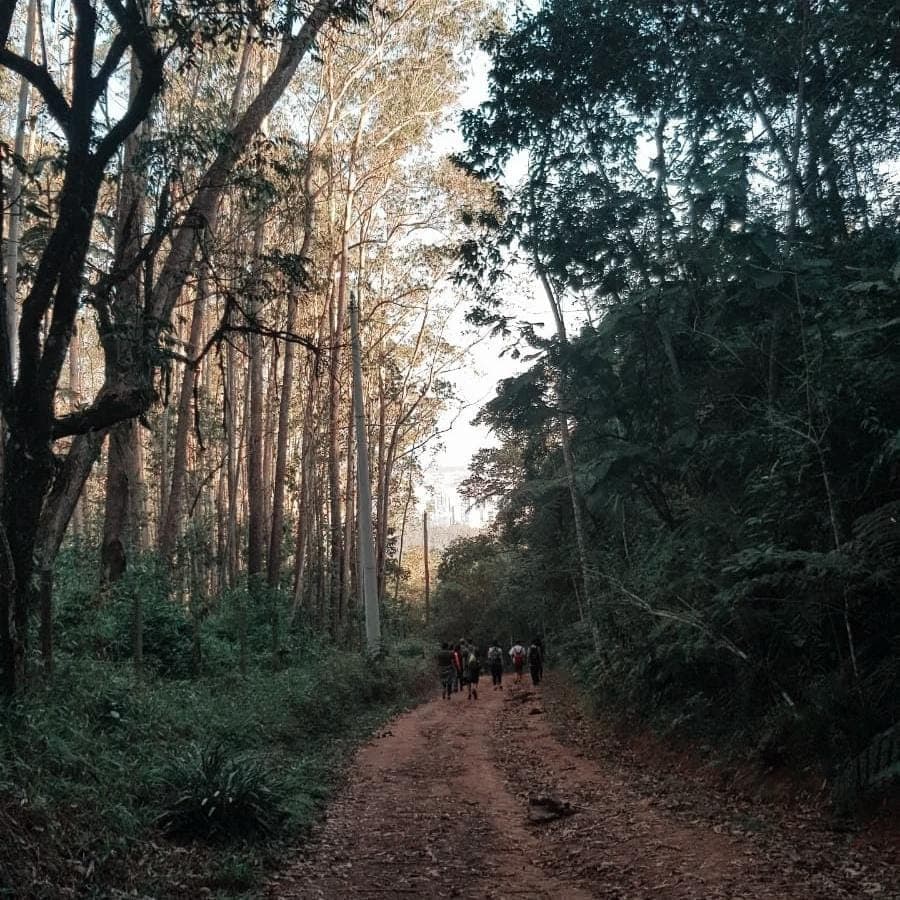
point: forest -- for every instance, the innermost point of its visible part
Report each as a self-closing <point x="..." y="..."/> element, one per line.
<point x="697" y="475"/>
<point x="235" y="253"/>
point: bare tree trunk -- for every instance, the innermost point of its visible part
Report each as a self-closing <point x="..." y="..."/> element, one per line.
<point x="409" y="492"/>
<point x="121" y="474"/>
<point x="162" y="498"/>
<point x="341" y="617"/>
<point x="140" y="514"/>
<point x="221" y="579"/>
<point x="232" y="467"/>
<point x="16" y="205"/>
<point x="78" y="524"/>
<point x="257" y="483"/>
<point x="122" y="470"/>
<point x="276" y="536"/>
<point x="284" y="412"/>
<point x="427" y="567"/>
<point x="255" y="487"/>
<point x="365" y="536"/>
<point x="322" y="581"/>
<point x="306" y="506"/>
<point x="334" y="476"/>
<point x="170" y="519"/>
<point x="271" y="409"/>
<point x="381" y="526"/>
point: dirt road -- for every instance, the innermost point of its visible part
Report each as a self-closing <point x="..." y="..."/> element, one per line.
<point x="468" y="799"/>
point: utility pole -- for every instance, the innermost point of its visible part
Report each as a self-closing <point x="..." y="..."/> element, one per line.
<point x="427" y="571"/>
<point x="17" y="205"/>
<point x="368" y="579"/>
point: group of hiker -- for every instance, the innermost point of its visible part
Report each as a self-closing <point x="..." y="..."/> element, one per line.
<point x="459" y="665"/>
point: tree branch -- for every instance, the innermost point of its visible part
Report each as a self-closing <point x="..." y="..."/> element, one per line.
<point x="39" y="77"/>
<point x="109" y="407"/>
<point x="109" y="65"/>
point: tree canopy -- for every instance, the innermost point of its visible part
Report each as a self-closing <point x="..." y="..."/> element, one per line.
<point x="712" y="187"/>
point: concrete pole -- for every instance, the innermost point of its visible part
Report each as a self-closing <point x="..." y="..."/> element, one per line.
<point x="368" y="577"/>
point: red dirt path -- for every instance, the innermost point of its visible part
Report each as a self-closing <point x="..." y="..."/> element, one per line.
<point x="436" y="805"/>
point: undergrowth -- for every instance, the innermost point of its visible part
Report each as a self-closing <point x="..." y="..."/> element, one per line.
<point x="167" y="787"/>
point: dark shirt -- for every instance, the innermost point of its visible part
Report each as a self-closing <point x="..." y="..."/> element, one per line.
<point x="444" y="659"/>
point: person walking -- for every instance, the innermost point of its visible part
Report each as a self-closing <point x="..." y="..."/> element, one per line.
<point x="495" y="661"/>
<point x="473" y="671"/>
<point x="536" y="661"/>
<point x="517" y="653"/>
<point x="445" y="670"/>
<point x="458" y="666"/>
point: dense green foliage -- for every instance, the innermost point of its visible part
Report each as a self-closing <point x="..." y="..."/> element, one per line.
<point x="715" y="185"/>
<point x="110" y="782"/>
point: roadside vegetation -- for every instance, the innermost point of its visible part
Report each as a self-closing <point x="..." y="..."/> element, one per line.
<point x="174" y="781"/>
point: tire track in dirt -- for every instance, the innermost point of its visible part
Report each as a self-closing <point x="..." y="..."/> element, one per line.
<point x="436" y="805"/>
<point x="425" y="813"/>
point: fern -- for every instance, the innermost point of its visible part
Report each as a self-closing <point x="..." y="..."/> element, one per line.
<point x="876" y="766"/>
<point x="877" y="535"/>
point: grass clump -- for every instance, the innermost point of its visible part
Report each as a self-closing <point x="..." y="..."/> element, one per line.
<point x="212" y="793"/>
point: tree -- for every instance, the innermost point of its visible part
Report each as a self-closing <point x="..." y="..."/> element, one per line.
<point x="703" y="196"/>
<point x="33" y="475"/>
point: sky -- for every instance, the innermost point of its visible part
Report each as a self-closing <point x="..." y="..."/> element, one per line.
<point x="488" y="360"/>
<point x="475" y="380"/>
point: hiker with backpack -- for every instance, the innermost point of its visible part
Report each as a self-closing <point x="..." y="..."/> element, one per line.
<point x="473" y="670"/>
<point x="518" y="653"/>
<point x="536" y="661"/>
<point x="458" y="667"/>
<point x="445" y="670"/>
<point x="495" y="661"/>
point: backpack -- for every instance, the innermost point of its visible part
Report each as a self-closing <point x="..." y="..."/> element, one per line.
<point x="495" y="654"/>
<point x="519" y="656"/>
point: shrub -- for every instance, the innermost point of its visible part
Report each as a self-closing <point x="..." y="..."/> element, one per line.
<point x="213" y="794"/>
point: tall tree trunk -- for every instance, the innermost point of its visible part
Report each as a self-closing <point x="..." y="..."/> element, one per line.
<point x="78" y="523"/>
<point x="16" y="204"/>
<point x="342" y="613"/>
<point x="308" y="504"/>
<point x="276" y="534"/>
<point x="409" y="492"/>
<point x="427" y="567"/>
<point x="232" y="464"/>
<point x="365" y="536"/>
<point x="122" y="470"/>
<point x="255" y="486"/>
<point x="334" y="475"/>
<point x="271" y="407"/>
<point x="170" y="519"/>
<point x="121" y="478"/>
<point x="381" y="523"/>
<point x="287" y="387"/>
